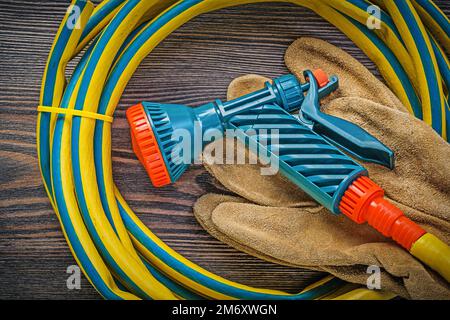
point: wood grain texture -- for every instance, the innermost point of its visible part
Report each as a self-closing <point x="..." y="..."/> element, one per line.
<point x="194" y="65"/>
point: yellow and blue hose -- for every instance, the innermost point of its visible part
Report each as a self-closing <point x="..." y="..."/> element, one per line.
<point x="118" y="254"/>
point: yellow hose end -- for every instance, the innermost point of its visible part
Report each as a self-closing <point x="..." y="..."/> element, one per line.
<point x="434" y="253"/>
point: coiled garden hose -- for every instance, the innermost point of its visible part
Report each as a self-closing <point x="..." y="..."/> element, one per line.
<point x="118" y="254"/>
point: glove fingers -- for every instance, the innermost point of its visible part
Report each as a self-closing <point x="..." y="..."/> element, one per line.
<point x="355" y="80"/>
<point x="206" y="204"/>
<point x="298" y="236"/>
<point x="203" y="210"/>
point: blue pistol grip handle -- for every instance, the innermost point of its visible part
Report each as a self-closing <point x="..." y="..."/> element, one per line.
<point x="304" y="157"/>
<point x="353" y="139"/>
<point x="342" y="133"/>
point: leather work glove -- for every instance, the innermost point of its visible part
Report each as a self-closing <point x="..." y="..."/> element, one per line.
<point x="276" y="221"/>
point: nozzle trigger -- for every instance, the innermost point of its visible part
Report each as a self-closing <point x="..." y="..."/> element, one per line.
<point x="344" y="134"/>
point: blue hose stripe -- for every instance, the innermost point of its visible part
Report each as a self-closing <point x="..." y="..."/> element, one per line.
<point x="171" y="285"/>
<point x="98" y="136"/>
<point x="436" y="14"/>
<point x="56" y="57"/>
<point x="211" y="283"/>
<point x="444" y="68"/>
<point x="83" y="258"/>
<point x="427" y="62"/>
<point x="384" y="17"/>
<point x="112" y="81"/>
<point x="180" y="291"/>
<point x="167" y="282"/>
<point x="99" y="49"/>
<point x="120" y="65"/>
<point x="44" y="134"/>
<point x="88" y="267"/>
<point x="395" y="64"/>
<point x="60" y="201"/>
<point x="77" y="174"/>
<point x="88" y="221"/>
<point x="95" y="19"/>
<point x="392" y="59"/>
<point x="132" y="227"/>
<point x="47" y="97"/>
<point x="89" y="69"/>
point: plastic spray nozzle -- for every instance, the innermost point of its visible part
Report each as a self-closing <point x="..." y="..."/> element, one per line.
<point x="167" y="138"/>
<point x="164" y="136"/>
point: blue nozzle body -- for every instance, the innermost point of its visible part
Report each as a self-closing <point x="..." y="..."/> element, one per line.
<point x="179" y="121"/>
<point x="285" y="91"/>
<point x="166" y="136"/>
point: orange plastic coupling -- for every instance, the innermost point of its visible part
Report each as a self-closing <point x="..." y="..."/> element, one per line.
<point x="364" y="201"/>
<point x="321" y="77"/>
<point x="145" y="146"/>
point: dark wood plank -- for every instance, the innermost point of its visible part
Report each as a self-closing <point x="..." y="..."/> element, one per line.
<point x="194" y="65"/>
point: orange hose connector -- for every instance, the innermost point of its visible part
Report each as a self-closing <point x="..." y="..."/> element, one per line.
<point x="364" y="202"/>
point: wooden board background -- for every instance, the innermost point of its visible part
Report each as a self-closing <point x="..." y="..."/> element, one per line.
<point x="194" y="65"/>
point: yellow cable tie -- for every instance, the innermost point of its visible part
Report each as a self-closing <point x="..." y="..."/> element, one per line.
<point x="75" y="112"/>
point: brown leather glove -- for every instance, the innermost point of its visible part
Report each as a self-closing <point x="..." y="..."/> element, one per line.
<point x="276" y="221"/>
